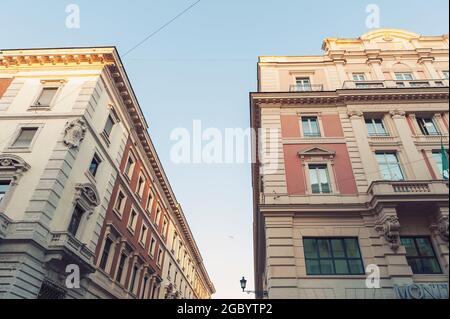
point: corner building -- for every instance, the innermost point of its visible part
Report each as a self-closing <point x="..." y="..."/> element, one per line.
<point x="358" y="183"/>
<point x="71" y="202"/>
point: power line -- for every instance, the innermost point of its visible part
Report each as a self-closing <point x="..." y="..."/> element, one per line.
<point x="162" y="27"/>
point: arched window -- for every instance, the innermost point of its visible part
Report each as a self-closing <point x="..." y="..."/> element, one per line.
<point x="12" y="167"/>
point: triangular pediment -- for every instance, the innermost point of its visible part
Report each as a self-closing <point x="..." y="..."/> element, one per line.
<point x="316" y="151"/>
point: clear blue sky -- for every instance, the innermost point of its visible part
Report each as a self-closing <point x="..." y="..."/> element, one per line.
<point x="202" y="67"/>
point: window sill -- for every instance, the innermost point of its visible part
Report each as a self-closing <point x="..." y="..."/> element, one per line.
<point x="17" y="150"/>
<point x="142" y="244"/>
<point x="105" y="138"/>
<point x="131" y="230"/>
<point x="35" y="108"/>
<point x="90" y="177"/>
<point x="119" y="215"/>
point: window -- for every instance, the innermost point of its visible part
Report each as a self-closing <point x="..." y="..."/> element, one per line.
<point x="149" y="201"/>
<point x="164" y="229"/>
<point x="143" y="237"/>
<point x="129" y="168"/>
<point x="359" y="77"/>
<point x="133" y="278"/>
<point x="376" y="127"/>
<point x="446" y="75"/>
<point x="4" y="186"/>
<point x="427" y="126"/>
<point x="303" y="84"/>
<point x="105" y="254"/>
<point x="152" y="246"/>
<point x="75" y="221"/>
<point x="158" y="216"/>
<point x="420" y="255"/>
<point x="404" y="76"/>
<point x="120" y="203"/>
<point x="121" y="267"/>
<point x="95" y="163"/>
<point x="25" y="137"/>
<point x="141" y="186"/>
<point x="46" y="97"/>
<point x="389" y="166"/>
<point x="310" y="126"/>
<point x="108" y="126"/>
<point x="169" y="271"/>
<point x="160" y="256"/>
<point x="319" y="179"/>
<point x="132" y="220"/>
<point x="437" y="155"/>
<point x="333" y="256"/>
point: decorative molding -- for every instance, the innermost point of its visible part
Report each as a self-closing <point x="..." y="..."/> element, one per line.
<point x="355" y="114"/>
<point x="87" y="197"/>
<point x="74" y="133"/>
<point x="441" y="228"/>
<point x="390" y="229"/>
<point x="14" y="163"/>
<point x="316" y="151"/>
<point x="397" y="114"/>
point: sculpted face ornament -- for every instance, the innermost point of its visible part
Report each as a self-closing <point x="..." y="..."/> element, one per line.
<point x="443" y="228"/>
<point x="74" y="133"/>
<point x="390" y="228"/>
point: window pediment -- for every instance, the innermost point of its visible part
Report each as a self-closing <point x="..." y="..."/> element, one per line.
<point x="316" y="151"/>
<point x="87" y="196"/>
<point x="13" y="163"/>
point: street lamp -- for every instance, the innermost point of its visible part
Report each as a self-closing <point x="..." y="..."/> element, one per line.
<point x="243" y="284"/>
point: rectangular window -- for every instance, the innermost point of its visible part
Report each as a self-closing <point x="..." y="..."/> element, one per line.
<point x="133" y="278"/>
<point x="95" y="163"/>
<point x="25" y="137"/>
<point x="46" y="97"/>
<point x="108" y="126"/>
<point x="129" y="168"/>
<point x="160" y="256"/>
<point x="141" y="186"/>
<point x="427" y="126"/>
<point x="105" y="254"/>
<point x="132" y="220"/>
<point x="437" y="155"/>
<point x="421" y="256"/>
<point x="389" y="165"/>
<point x="404" y="76"/>
<point x="333" y="256"/>
<point x="149" y="201"/>
<point x="303" y="84"/>
<point x="4" y="186"/>
<point x="143" y="237"/>
<point x="120" y="203"/>
<point x="376" y="127"/>
<point x="152" y="246"/>
<point x="75" y="221"/>
<point x="121" y="267"/>
<point x="359" y="77"/>
<point x="319" y="179"/>
<point x="310" y="126"/>
<point x="164" y="229"/>
<point x="158" y="216"/>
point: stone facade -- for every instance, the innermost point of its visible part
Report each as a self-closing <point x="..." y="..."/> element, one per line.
<point x="319" y="114"/>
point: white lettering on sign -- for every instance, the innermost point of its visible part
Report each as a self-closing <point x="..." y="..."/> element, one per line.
<point x="422" y="291"/>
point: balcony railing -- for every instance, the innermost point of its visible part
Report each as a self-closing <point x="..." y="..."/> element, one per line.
<point x="306" y="88"/>
<point x="66" y="240"/>
<point x="416" y="188"/>
<point x="396" y="84"/>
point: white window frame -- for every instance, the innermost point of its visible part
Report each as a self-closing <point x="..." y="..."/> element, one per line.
<point x="399" y="162"/>
<point x="304" y="83"/>
<point x="143" y="234"/>
<point x="319" y="125"/>
<point x="47" y="84"/>
<point x="119" y="210"/>
<point x="28" y="149"/>
<point x="152" y="247"/>
<point x="130" y="173"/>
<point x="377" y="134"/>
<point x="359" y="77"/>
<point x="141" y="187"/>
<point x="131" y="224"/>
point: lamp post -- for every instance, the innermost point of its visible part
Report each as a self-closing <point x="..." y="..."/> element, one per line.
<point x="243" y="283"/>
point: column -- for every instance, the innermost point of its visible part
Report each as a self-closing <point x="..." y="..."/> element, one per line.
<point x="427" y="62"/>
<point x="375" y="64"/>
<point x="439" y="229"/>
<point x="388" y="227"/>
<point x="412" y="162"/>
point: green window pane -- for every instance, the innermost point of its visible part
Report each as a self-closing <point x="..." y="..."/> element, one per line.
<point x="341" y="267"/>
<point x="416" y="265"/>
<point x="326" y="267"/>
<point x="324" y="248"/>
<point x="424" y="247"/>
<point x="411" y="250"/>
<point x="352" y="248"/>
<point x="430" y="266"/>
<point x="338" y="248"/>
<point x="310" y="246"/>
<point x="356" y="267"/>
<point x="312" y="267"/>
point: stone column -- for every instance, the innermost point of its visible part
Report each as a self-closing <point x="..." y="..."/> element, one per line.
<point x="388" y="227"/>
<point x="439" y="229"/>
<point x="375" y="64"/>
<point x="412" y="161"/>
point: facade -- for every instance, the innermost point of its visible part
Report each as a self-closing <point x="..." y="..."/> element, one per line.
<point x="349" y="179"/>
<point x="68" y="122"/>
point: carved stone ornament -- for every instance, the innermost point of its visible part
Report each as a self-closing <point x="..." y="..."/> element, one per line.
<point x="442" y="227"/>
<point x="74" y="133"/>
<point x="397" y="113"/>
<point x="87" y="197"/>
<point x="390" y="228"/>
<point x="355" y="114"/>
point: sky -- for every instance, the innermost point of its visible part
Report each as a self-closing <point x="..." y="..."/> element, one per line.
<point x="202" y="67"/>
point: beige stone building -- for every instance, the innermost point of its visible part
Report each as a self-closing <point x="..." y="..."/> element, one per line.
<point x="68" y="118"/>
<point x="351" y="182"/>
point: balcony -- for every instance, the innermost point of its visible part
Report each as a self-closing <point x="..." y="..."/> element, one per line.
<point x="409" y="190"/>
<point x="388" y="84"/>
<point x="306" y="88"/>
